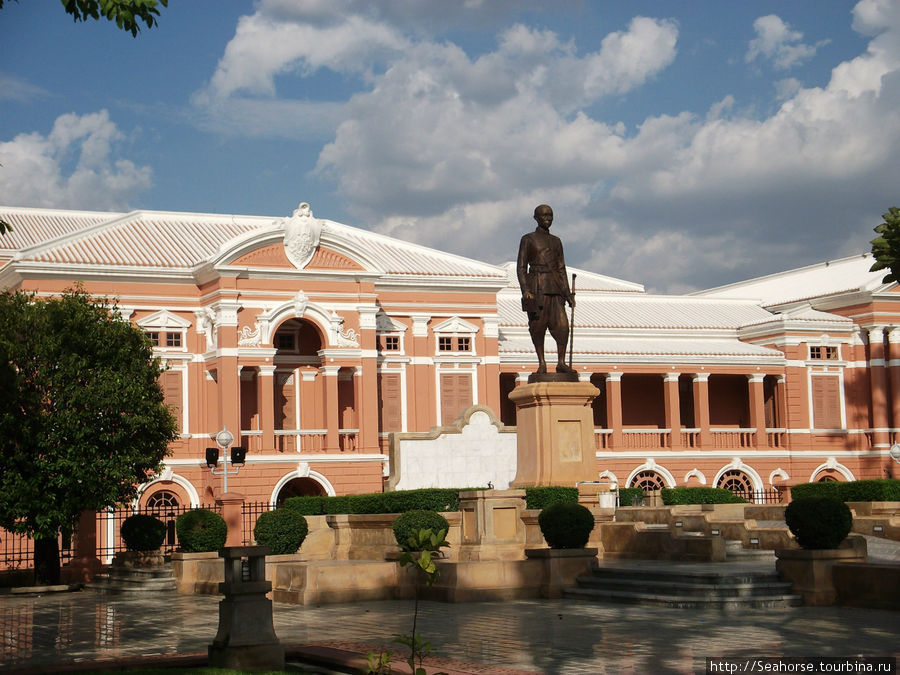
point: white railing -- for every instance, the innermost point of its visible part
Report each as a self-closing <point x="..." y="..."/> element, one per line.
<point x="646" y="438"/>
<point x="348" y="439"/>
<point x="776" y="438"/>
<point x="251" y="440"/>
<point x="300" y="440"/>
<point x="601" y="438"/>
<point x="732" y="438"/>
<point x="690" y="438"/>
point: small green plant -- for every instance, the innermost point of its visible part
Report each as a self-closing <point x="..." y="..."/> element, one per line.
<point x="543" y="496"/>
<point x="143" y="532"/>
<point x="566" y="525"/>
<point x="409" y="524"/>
<point x="818" y="522"/>
<point x="282" y="530"/>
<point x="630" y="496"/>
<point x="201" y="530"/>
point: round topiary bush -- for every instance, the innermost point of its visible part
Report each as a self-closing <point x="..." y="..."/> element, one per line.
<point x="818" y="522"/>
<point x="142" y="532"/>
<point x="201" y="530"/>
<point x="282" y="530"/>
<point x="408" y="525"/>
<point x="566" y="525"/>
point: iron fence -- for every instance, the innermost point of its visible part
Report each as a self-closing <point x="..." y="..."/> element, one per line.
<point x="17" y="550"/>
<point x="250" y="511"/>
<point x="109" y="524"/>
<point x="770" y="496"/>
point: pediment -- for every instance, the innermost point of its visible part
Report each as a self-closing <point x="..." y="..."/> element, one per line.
<point x="455" y="325"/>
<point x="386" y="324"/>
<point x="163" y="319"/>
<point x="329" y="259"/>
<point x="272" y="255"/>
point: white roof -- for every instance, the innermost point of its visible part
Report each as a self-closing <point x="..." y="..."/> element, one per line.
<point x="617" y="346"/>
<point x="186" y="241"/>
<point x="833" y="277"/>
<point x="636" y="310"/>
<point x="584" y="281"/>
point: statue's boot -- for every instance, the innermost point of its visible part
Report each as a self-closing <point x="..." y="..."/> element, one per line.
<point x="542" y="368"/>
<point x="563" y="368"/>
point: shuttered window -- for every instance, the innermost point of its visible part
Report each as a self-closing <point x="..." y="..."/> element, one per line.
<point x="170" y="381"/>
<point x="456" y="396"/>
<point x="826" y="396"/>
<point x="390" y="402"/>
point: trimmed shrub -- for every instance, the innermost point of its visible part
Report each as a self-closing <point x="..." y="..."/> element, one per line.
<point x="408" y="525"/>
<point x="282" y="530"/>
<point x="143" y="532"/>
<point x="874" y="490"/>
<point x="200" y="531"/>
<point x="306" y="506"/>
<point x="818" y="522"/>
<point x="542" y="497"/>
<point x="699" y="495"/>
<point x="628" y="495"/>
<point x="566" y="525"/>
<point x="825" y="489"/>
<point x="400" y="501"/>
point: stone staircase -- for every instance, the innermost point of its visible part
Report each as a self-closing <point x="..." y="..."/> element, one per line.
<point x="724" y="586"/>
<point x="134" y="580"/>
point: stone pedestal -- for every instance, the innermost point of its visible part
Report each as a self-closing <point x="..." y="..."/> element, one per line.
<point x="555" y="433"/>
<point x="810" y="571"/>
<point x="246" y="638"/>
<point x="492" y="527"/>
<point x="232" y="504"/>
<point x="561" y="567"/>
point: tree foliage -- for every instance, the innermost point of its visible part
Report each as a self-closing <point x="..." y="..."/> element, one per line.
<point x="886" y="246"/>
<point x="126" y="13"/>
<point x="83" y="421"/>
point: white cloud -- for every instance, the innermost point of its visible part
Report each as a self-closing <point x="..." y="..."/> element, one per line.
<point x="15" y="89"/>
<point x="74" y="166"/>
<point x="776" y="41"/>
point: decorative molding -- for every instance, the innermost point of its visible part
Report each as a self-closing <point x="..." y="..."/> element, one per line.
<point x="343" y="338"/>
<point x="455" y="325"/>
<point x="266" y="256"/>
<point x="248" y="337"/>
<point x="206" y="325"/>
<point x="326" y="258"/>
<point x="301" y="302"/>
<point x="695" y="473"/>
<point x="164" y="319"/>
<point x="301" y="235"/>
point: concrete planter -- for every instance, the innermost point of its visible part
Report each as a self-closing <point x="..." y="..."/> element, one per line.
<point x="199" y="573"/>
<point x="561" y="566"/>
<point x="811" y="571"/>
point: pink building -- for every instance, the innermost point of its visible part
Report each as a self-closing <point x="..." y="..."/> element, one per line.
<point x="313" y="341"/>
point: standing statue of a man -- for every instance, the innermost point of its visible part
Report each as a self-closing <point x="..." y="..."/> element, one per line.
<point x="543" y="280"/>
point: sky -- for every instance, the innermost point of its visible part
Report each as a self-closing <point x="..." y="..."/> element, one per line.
<point x="682" y="145"/>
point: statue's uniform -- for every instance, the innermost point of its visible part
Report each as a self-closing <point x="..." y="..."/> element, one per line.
<point x="541" y="269"/>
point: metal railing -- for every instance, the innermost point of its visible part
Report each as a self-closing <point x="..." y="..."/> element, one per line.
<point x="250" y="512"/>
<point x="770" y="496"/>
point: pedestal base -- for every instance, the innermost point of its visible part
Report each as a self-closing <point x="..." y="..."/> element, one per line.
<point x="555" y="433"/>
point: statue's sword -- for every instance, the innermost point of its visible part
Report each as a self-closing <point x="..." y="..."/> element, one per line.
<point x="572" y="324"/>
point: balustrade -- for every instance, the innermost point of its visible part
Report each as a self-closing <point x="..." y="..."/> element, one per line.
<point x="601" y="438"/>
<point x="646" y="438"/>
<point x="732" y="438"/>
<point x="300" y="440"/>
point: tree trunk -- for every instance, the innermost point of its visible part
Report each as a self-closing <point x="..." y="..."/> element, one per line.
<point x="46" y="561"/>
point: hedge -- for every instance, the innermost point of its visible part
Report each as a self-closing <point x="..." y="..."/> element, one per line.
<point x="542" y="497"/>
<point x="566" y="525"/>
<point x="399" y="501"/>
<point x="410" y="523"/>
<point x="875" y="490"/>
<point x="200" y="530"/>
<point x="282" y="530"/>
<point x="699" y="495"/>
<point x="628" y="495"/>
<point x="818" y="522"/>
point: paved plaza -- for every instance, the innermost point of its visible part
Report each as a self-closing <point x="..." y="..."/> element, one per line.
<point x="61" y="631"/>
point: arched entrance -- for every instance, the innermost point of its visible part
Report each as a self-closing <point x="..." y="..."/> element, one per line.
<point x="300" y="487"/>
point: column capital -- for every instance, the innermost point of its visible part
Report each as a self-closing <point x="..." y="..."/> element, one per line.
<point x="329" y="371"/>
<point x="614" y="376"/>
<point x="876" y="333"/>
<point x="266" y="371"/>
<point x="367" y="316"/>
<point x="671" y="377"/>
<point x="700" y="377"/>
<point x="420" y="324"/>
<point x="756" y="377"/>
<point x="894" y="334"/>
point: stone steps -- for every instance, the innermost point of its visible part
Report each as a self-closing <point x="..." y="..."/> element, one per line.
<point x="134" y="580"/>
<point x="695" y="586"/>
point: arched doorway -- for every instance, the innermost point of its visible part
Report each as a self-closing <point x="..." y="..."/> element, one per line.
<point x="300" y="487"/>
<point x="164" y="505"/>
<point x="738" y="483"/>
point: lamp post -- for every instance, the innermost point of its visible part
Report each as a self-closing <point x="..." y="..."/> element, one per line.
<point x="224" y="439"/>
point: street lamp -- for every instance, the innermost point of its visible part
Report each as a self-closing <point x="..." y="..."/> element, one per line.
<point x="238" y="455"/>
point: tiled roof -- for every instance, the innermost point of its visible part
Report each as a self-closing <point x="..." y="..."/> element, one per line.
<point x="183" y="241"/>
<point x="635" y="345"/>
<point x="636" y="310"/>
<point x="846" y="275"/>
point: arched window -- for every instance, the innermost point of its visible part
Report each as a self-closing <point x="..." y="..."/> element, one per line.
<point x="164" y="505"/>
<point x="826" y="478"/>
<point x="737" y="482"/>
<point x="648" y="481"/>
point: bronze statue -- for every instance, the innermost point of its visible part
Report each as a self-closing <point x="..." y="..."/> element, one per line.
<point x="543" y="280"/>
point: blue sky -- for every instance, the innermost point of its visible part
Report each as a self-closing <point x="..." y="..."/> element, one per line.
<point x="682" y="145"/>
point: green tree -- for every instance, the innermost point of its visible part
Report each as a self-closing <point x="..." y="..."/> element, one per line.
<point x="126" y="13"/>
<point x="886" y="246"/>
<point x="83" y="421"/>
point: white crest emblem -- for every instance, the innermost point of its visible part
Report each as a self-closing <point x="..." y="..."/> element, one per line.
<point x="301" y="236"/>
